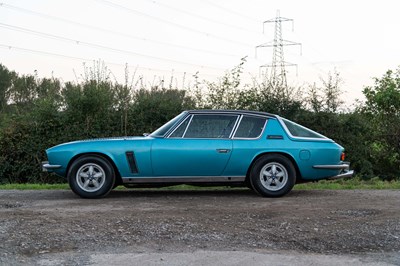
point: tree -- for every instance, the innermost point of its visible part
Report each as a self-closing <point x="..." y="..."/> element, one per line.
<point x="6" y="79"/>
<point x="325" y="97"/>
<point x="224" y="95"/>
<point x="383" y="109"/>
<point x="152" y="108"/>
<point x="89" y="108"/>
<point x="332" y="92"/>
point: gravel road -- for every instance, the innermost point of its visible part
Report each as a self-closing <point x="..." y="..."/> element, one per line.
<point x="237" y="227"/>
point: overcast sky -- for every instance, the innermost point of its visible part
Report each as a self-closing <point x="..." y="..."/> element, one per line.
<point x="163" y="38"/>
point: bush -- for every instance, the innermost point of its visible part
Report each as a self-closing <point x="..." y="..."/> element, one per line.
<point x="36" y="114"/>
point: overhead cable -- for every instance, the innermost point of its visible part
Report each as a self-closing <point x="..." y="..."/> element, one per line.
<point x="46" y="16"/>
<point x="98" y="46"/>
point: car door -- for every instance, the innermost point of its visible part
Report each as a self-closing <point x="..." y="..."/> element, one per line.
<point x="200" y="146"/>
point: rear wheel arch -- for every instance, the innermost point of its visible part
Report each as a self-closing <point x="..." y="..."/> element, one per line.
<point x="296" y="167"/>
<point x="272" y="175"/>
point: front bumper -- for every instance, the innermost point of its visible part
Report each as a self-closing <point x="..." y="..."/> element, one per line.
<point x="344" y="167"/>
<point x="46" y="167"/>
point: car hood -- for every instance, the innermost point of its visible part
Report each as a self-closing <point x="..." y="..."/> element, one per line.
<point x="97" y="141"/>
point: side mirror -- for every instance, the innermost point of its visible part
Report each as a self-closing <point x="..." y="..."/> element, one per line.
<point x="146" y="134"/>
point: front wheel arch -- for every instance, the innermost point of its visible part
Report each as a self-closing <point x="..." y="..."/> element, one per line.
<point x="118" y="178"/>
<point x="91" y="176"/>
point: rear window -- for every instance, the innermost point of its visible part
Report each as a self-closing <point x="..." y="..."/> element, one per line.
<point x="297" y="130"/>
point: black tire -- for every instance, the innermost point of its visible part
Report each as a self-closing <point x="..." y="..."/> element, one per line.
<point x="273" y="175"/>
<point x="91" y="177"/>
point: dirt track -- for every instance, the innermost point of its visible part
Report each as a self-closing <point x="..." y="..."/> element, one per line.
<point x="35" y="225"/>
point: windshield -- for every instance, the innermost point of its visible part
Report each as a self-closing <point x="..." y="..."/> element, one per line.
<point x="160" y="132"/>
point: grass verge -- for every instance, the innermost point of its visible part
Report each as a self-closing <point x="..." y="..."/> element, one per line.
<point x="354" y="183"/>
<point x="34" y="186"/>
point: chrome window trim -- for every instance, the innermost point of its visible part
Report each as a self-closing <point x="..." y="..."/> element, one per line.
<point x="235" y="126"/>
<point x="190" y="121"/>
<point x="172" y="127"/>
<point x="262" y="131"/>
<point x="179" y="124"/>
<point x="323" y="138"/>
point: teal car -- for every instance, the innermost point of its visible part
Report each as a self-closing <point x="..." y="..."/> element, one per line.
<point x="263" y="151"/>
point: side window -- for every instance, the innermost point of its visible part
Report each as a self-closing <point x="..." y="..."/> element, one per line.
<point x="211" y="126"/>
<point x="178" y="133"/>
<point x="250" y="127"/>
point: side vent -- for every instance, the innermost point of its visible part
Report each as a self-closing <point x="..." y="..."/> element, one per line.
<point x="274" y="137"/>
<point x="130" y="156"/>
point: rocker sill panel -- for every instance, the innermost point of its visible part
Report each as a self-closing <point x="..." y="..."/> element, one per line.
<point x="182" y="179"/>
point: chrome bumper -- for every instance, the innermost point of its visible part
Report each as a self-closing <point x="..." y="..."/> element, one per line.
<point x="46" y="166"/>
<point x="345" y="167"/>
<point x="342" y="175"/>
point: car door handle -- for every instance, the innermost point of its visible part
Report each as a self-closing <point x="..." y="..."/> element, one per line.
<point x="223" y="150"/>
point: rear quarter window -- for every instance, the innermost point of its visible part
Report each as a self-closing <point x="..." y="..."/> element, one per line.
<point x="297" y="130"/>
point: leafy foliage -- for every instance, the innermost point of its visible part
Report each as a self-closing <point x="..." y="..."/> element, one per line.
<point x="39" y="113"/>
<point x="383" y="111"/>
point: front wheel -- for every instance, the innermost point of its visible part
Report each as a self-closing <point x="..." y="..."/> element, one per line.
<point x="273" y="175"/>
<point x="91" y="177"/>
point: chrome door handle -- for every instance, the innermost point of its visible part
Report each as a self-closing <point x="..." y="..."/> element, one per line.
<point x="223" y="150"/>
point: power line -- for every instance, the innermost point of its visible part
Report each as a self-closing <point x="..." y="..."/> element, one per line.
<point x="32" y="51"/>
<point x="19" y="9"/>
<point x="98" y="46"/>
<point x="172" y="23"/>
<point x="232" y="11"/>
<point x="202" y="17"/>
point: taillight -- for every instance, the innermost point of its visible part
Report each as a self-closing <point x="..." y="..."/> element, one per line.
<point x="343" y="156"/>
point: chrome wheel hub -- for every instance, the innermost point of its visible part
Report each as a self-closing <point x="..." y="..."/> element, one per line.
<point x="273" y="176"/>
<point x="90" y="177"/>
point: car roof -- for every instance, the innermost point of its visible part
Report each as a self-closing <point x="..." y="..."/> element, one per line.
<point x="232" y="112"/>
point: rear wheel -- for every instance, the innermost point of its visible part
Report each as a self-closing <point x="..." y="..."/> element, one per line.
<point x="91" y="177"/>
<point x="273" y="175"/>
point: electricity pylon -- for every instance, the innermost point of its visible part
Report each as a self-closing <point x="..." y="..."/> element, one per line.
<point x="278" y="65"/>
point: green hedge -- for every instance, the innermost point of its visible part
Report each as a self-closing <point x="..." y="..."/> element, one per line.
<point x="36" y="114"/>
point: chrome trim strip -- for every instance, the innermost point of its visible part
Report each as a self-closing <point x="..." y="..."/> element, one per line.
<point x="234" y="129"/>
<point x="274" y="137"/>
<point x="46" y="166"/>
<point x="323" y="138"/>
<point x="179" y="124"/>
<point x="187" y="126"/>
<point x="172" y="127"/>
<point x="236" y="112"/>
<point x="182" y="179"/>
<point x="235" y="126"/>
<point x="332" y="167"/>
<point x="343" y="175"/>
